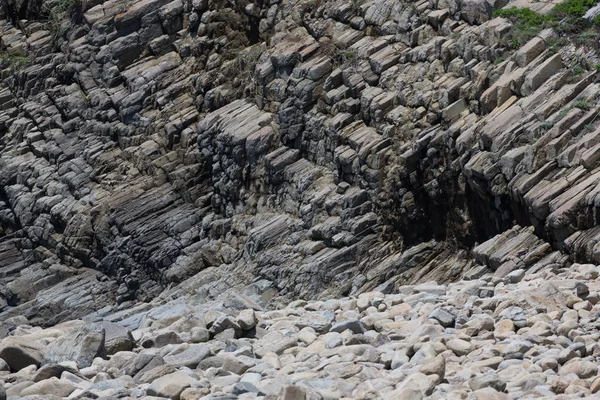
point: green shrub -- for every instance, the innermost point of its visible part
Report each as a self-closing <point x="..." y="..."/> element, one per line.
<point x="57" y="10"/>
<point x="565" y="17"/>
<point x="555" y="44"/>
<point x="526" y="24"/>
<point x="588" y="38"/>
<point x="571" y="9"/>
<point x="563" y="113"/>
<point x="582" y="105"/>
<point x="14" y="60"/>
<point x="546" y="125"/>
<point x="523" y="15"/>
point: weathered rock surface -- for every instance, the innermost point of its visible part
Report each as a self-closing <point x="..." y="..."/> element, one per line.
<point x="280" y="152"/>
<point x="81" y="344"/>
<point x="297" y="200"/>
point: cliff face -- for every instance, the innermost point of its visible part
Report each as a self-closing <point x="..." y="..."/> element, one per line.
<point x="284" y="150"/>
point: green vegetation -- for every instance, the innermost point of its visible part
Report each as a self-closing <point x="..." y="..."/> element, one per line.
<point x="57" y="10"/>
<point x="563" y="113"/>
<point x="246" y="60"/>
<point x="522" y="15"/>
<point x="555" y="44"/>
<point x="589" y="37"/>
<point x="569" y="13"/>
<point x="341" y="57"/>
<point x="576" y="73"/>
<point x="565" y="17"/>
<point x="582" y="105"/>
<point x="578" y="70"/>
<point x="533" y="138"/>
<point x="526" y="24"/>
<point x="546" y="125"/>
<point x="13" y="60"/>
<point x="85" y="97"/>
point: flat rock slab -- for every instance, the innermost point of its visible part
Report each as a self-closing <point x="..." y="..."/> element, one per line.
<point x="190" y="357"/>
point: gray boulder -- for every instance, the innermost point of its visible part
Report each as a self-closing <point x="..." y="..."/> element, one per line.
<point x="171" y="385"/>
<point x="81" y="345"/>
<point x="190" y="357"/>
<point x="353" y="324"/>
<point x="117" y="338"/>
<point x="19" y="353"/>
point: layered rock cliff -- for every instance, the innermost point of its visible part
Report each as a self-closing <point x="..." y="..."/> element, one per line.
<point x="285" y="150"/>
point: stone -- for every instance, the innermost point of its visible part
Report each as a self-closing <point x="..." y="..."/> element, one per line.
<point x="418" y="381"/>
<point x="530" y="51"/>
<point x="352" y="324"/>
<point x="435" y="366"/>
<point x="194" y="393"/>
<point x="162" y="339"/>
<point x="168" y="168"/>
<point x="504" y="329"/>
<point x="594" y="388"/>
<point x="141" y="363"/>
<point x="237" y="365"/>
<point x="199" y="335"/>
<point x="245" y="387"/>
<point x="534" y="79"/>
<point x="223" y="323"/>
<point x="51" y="370"/>
<point x="515" y="276"/>
<point x="190" y="357"/>
<point x="17" y="388"/>
<point x="19" y="353"/>
<point x="171" y="385"/>
<point x="583" y="369"/>
<point x="487" y="381"/>
<point x="399" y="359"/>
<point x="52" y="386"/>
<point x="81" y="344"/>
<point x="116" y="338"/>
<point x="444" y="317"/>
<point x="517" y="346"/>
<point x="459" y="347"/>
<point x="408" y="394"/>
<point x="247" y="319"/>
<point x="333" y="340"/>
<point x="490" y="394"/>
<point x="292" y="392"/>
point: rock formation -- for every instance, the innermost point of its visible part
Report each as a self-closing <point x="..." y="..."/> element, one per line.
<point x="178" y="178"/>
